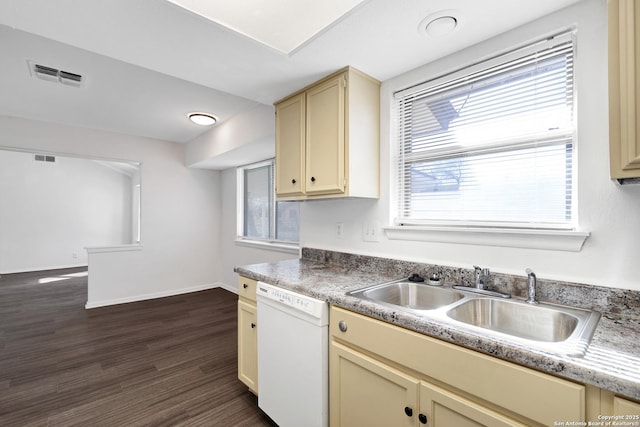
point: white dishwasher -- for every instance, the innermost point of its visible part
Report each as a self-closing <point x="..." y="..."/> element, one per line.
<point x="293" y="351"/>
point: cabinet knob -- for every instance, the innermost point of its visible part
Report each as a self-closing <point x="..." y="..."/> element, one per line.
<point x="245" y="286"/>
<point x="313" y="179"/>
<point x="253" y="325"/>
<point x="342" y="325"/>
<point x="408" y="411"/>
<point x="422" y="418"/>
<point x="293" y="181"/>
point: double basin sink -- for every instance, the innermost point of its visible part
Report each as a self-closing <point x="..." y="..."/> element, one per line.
<point x="554" y="328"/>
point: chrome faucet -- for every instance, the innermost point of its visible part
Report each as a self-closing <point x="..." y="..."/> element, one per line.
<point x="481" y="275"/>
<point x="531" y="284"/>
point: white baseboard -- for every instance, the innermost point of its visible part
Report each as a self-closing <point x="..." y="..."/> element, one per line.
<point x="142" y="297"/>
<point x="50" y="267"/>
<point x="230" y="288"/>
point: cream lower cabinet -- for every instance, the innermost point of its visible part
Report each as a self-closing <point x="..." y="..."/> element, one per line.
<point x="384" y="375"/>
<point x="630" y="411"/>
<point x="368" y="392"/>
<point x="247" y="334"/>
<point x="439" y="407"/>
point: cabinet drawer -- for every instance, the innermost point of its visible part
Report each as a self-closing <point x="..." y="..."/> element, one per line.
<point x="247" y="288"/>
<point x="534" y="395"/>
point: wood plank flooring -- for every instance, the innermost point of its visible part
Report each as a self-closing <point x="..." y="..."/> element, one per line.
<point x="163" y="362"/>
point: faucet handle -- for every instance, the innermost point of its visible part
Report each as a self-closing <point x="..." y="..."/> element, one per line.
<point x="481" y="271"/>
<point x="531" y="285"/>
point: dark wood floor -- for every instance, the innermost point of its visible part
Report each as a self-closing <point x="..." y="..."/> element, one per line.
<point x="164" y="362"/>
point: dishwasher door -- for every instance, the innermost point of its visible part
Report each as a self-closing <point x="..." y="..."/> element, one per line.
<point x="293" y="352"/>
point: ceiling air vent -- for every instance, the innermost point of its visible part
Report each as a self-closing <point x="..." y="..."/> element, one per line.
<point x="51" y="74"/>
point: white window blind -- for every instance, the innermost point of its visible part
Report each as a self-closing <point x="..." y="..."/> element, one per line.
<point x="493" y="144"/>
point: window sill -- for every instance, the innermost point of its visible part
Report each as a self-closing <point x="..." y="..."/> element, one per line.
<point x="271" y="246"/>
<point x="557" y="240"/>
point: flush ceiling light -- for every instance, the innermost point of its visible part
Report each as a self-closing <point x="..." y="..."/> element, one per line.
<point x="440" y="24"/>
<point x="202" y="119"/>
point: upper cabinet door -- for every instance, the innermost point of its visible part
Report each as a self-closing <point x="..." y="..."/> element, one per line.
<point x="624" y="77"/>
<point x="290" y="144"/>
<point x="325" y="136"/>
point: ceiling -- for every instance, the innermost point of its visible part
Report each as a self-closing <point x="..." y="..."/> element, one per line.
<point x="148" y="63"/>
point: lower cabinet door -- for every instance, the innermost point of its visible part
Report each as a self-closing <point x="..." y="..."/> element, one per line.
<point x="441" y="408"/>
<point x="630" y="411"/>
<point x="248" y="345"/>
<point x="366" y="392"/>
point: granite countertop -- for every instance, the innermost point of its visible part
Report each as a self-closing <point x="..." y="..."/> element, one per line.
<point x="612" y="361"/>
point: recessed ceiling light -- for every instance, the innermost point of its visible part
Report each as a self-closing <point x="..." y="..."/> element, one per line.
<point x="202" y="119"/>
<point x="440" y="24"/>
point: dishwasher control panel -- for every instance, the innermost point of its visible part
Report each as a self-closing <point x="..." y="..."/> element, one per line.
<point x="309" y="305"/>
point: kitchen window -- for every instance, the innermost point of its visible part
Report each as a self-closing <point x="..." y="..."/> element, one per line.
<point x="492" y="145"/>
<point x="262" y="219"/>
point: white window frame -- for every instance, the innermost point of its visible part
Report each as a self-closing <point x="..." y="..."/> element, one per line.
<point x="469" y="233"/>
<point x="241" y="240"/>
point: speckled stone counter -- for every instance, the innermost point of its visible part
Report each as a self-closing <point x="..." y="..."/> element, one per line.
<point x="612" y="361"/>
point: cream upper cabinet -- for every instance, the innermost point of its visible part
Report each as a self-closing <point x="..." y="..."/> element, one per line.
<point x="325" y="165"/>
<point x="327" y="139"/>
<point x="290" y="149"/>
<point x="624" y="77"/>
<point x="247" y="334"/>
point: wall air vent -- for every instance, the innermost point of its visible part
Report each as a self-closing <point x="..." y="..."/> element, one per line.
<point x="70" y="78"/>
<point x="51" y="74"/>
<point x="43" y="158"/>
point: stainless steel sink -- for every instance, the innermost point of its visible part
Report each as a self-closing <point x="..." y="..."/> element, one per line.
<point x="564" y="329"/>
<point x="554" y="328"/>
<point x="409" y="295"/>
<point x="525" y="321"/>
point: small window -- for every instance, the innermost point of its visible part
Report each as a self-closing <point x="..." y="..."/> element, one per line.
<point x="264" y="218"/>
<point x="493" y="144"/>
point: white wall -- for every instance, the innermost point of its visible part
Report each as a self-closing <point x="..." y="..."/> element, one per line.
<point x="50" y="211"/>
<point x="234" y="254"/>
<point x="610" y="212"/>
<point x="180" y="211"/>
<point x="246" y="138"/>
